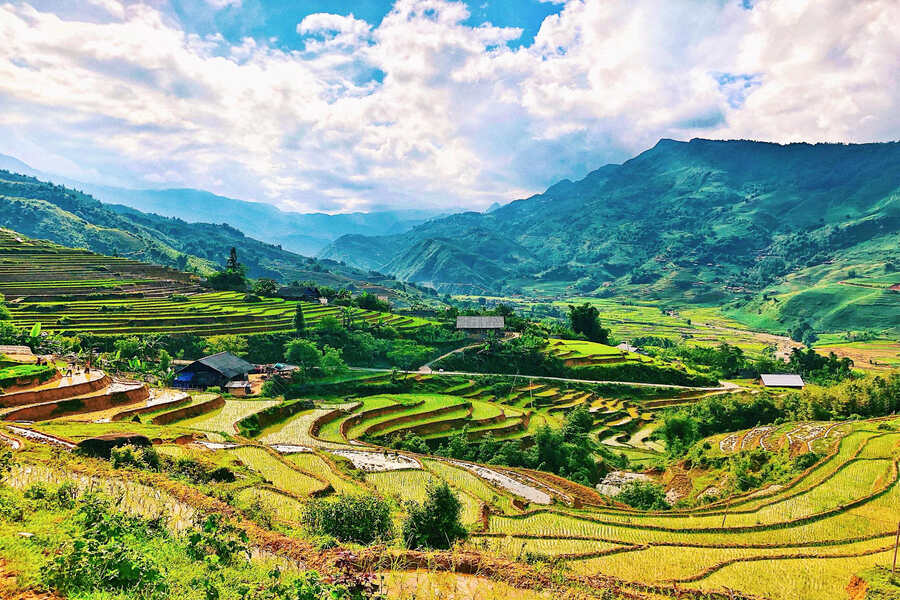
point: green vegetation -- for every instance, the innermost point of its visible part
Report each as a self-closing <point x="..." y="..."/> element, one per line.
<point x="435" y="522"/>
<point x="9" y="375"/>
<point x="644" y="495"/>
<point x="359" y="519"/>
<point x="870" y="396"/>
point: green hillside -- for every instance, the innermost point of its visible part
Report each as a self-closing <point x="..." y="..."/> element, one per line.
<point x="74" y="290"/>
<point x="697" y="222"/>
<point x="68" y="217"/>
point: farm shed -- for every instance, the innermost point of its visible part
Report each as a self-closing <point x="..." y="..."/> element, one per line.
<point x="478" y="326"/>
<point x="215" y="370"/>
<point x="239" y="388"/>
<point x="784" y="380"/>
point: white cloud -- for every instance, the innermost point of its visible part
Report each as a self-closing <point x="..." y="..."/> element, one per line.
<point x="219" y="4"/>
<point x="425" y="110"/>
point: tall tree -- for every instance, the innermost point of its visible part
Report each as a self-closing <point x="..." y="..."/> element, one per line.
<point x="585" y="319"/>
<point x="299" y="320"/>
<point x="232" y="263"/>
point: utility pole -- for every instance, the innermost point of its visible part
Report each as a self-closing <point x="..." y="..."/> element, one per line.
<point x="896" y="544"/>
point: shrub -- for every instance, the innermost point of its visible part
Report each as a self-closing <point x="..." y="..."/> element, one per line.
<point x="217" y="538"/>
<point x="107" y="557"/>
<point x="645" y="495"/>
<point x="10" y="507"/>
<point x="132" y="456"/>
<point x="362" y="519"/>
<point x="434" y="523"/>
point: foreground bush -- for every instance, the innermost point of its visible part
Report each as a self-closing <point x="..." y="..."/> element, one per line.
<point x="435" y="523"/>
<point x="360" y="519"/>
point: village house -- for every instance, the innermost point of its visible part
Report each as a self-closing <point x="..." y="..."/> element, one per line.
<point x="215" y="370"/>
<point x="480" y="326"/>
<point x="781" y="380"/>
<point x="304" y="293"/>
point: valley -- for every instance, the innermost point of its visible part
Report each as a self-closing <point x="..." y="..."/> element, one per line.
<point x="524" y="428"/>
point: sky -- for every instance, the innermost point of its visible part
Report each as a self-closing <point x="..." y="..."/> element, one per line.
<point x="368" y="104"/>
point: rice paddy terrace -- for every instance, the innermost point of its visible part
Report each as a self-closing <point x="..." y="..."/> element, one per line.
<point x="802" y="539"/>
<point x="72" y="290"/>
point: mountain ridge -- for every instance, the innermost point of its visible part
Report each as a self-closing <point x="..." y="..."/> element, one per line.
<point x="303" y="233"/>
<point x="697" y="221"/>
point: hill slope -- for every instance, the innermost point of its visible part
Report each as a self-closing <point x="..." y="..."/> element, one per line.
<point x="43" y="210"/>
<point x="685" y="221"/>
<point x="303" y="233"/>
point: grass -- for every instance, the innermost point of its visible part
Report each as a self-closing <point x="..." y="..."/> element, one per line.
<point x="9" y="375"/>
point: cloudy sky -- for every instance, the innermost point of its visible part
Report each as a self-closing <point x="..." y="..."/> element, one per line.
<point x="362" y="104"/>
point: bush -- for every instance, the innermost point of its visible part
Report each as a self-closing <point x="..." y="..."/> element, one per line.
<point x="435" y="523"/>
<point x="218" y="539"/>
<point x="645" y="495"/>
<point x="107" y="557"/>
<point x="361" y="519"/>
<point x="132" y="456"/>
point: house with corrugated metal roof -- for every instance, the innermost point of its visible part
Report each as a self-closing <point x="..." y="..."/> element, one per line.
<point x="210" y="371"/>
<point x="781" y="380"/>
<point x="480" y="326"/>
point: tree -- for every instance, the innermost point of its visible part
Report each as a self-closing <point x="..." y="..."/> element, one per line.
<point x="408" y="355"/>
<point x="4" y="312"/>
<point x="332" y="362"/>
<point x="434" y="523"/>
<point x="265" y="287"/>
<point x="235" y="344"/>
<point x="304" y="354"/>
<point x="369" y="301"/>
<point x="299" y="320"/>
<point x="234" y="277"/>
<point x="232" y="263"/>
<point x="585" y="319"/>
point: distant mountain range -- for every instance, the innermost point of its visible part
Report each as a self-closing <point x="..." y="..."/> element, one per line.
<point x="44" y="210"/>
<point x="304" y="233"/>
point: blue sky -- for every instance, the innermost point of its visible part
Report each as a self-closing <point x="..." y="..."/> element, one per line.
<point x="363" y="105"/>
<point x="266" y="19"/>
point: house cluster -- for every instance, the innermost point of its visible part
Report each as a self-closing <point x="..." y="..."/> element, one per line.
<point x="230" y="373"/>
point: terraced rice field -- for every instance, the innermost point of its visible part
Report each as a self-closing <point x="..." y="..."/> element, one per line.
<point x="802" y="539"/>
<point x="208" y="313"/>
<point x="223" y="419"/>
<point x="766" y="539"/>
<point x="578" y="352"/>
<point x="277" y="472"/>
<point x="74" y="290"/>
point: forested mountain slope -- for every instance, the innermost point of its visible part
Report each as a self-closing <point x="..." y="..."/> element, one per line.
<point x="69" y="217"/>
<point x="698" y="220"/>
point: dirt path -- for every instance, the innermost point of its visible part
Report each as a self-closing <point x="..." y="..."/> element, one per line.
<point x="426" y="368"/>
